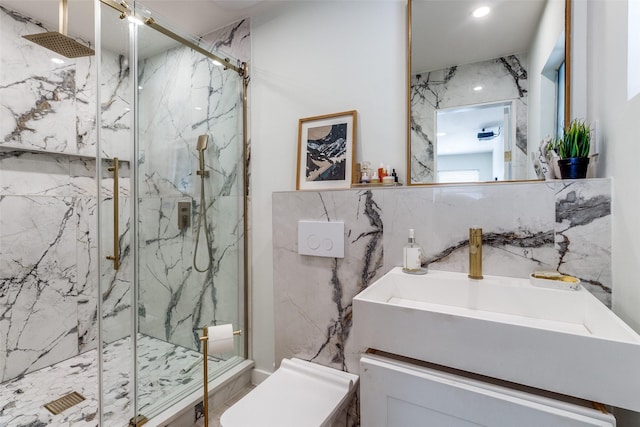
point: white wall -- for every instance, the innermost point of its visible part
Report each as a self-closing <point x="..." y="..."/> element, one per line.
<point x="312" y="58"/>
<point x="483" y="162"/>
<point x="620" y="149"/>
<point x="607" y="102"/>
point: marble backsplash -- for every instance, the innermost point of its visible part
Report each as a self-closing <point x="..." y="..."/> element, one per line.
<point x="503" y="79"/>
<point x="563" y="225"/>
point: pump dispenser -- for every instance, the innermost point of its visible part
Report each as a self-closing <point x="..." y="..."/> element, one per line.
<point x="412" y="256"/>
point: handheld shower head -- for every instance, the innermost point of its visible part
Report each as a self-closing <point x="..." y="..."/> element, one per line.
<point x="201" y="146"/>
<point x="203" y="140"/>
<point x="202" y="214"/>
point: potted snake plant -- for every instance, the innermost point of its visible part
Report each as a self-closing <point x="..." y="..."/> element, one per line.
<point x="573" y="148"/>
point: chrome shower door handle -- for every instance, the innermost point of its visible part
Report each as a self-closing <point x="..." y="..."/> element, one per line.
<point x="116" y="222"/>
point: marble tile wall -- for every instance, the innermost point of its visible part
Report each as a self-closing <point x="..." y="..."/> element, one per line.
<point x="48" y="200"/>
<point x="44" y="106"/>
<point x="58" y="116"/>
<point x="176" y="300"/>
<point x="502" y="79"/>
<point x="47" y="259"/>
<point x="117" y="286"/>
<point x="116" y="103"/>
<point x="563" y="225"/>
<point x="48" y="203"/>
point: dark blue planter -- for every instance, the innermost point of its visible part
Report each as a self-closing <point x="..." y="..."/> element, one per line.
<point x="573" y="167"/>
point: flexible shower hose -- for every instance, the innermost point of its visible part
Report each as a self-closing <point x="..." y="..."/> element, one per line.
<point x="202" y="213"/>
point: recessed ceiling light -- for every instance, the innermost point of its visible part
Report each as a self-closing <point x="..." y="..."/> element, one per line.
<point x="481" y="11"/>
<point x="198" y="108"/>
<point x="477" y="88"/>
<point x="57" y="61"/>
<point x="440" y="134"/>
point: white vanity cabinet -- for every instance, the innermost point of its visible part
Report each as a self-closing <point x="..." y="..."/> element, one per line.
<point x="396" y="393"/>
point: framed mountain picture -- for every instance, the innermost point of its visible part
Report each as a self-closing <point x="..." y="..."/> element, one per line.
<point x="326" y="151"/>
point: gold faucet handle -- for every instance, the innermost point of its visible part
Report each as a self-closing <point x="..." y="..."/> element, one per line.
<point x="475" y="253"/>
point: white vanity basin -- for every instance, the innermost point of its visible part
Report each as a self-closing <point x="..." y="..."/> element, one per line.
<point x="564" y="341"/>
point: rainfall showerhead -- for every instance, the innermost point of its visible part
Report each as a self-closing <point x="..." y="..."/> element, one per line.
<point x="59" y="42"/>
<point x="202" y="142"/>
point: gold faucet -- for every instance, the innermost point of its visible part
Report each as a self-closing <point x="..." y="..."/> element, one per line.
<point x="475" y="253"/>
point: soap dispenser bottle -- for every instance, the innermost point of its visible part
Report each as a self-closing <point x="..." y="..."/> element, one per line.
<point x="412" y="255"/>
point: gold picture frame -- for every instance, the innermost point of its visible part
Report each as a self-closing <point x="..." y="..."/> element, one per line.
<point x="326" y="151"/>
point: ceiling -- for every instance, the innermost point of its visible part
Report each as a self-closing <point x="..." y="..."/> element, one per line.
<point x="193" y="17"/>
<point x="458" y="129"/>
<point x="467" y="39"/>
<point x="443" y="32"/>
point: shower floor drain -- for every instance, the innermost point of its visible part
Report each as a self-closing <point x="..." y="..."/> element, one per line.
<point x="64" y="403"/>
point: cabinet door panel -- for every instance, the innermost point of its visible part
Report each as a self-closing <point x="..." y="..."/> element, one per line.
<point x="401" y="413"/>
<point x="395" y="394"/>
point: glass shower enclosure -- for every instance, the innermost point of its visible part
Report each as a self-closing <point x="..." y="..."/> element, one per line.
<point x="171" y="211"/>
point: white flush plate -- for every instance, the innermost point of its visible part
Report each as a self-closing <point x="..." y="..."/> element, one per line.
<point x="321" y="238"/>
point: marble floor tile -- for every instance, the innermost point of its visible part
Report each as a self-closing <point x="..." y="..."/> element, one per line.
<point x="22" y="399"/>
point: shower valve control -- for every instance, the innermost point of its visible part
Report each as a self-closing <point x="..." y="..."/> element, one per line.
<point x="321" y="238"/>
<point x="184" y="215"/>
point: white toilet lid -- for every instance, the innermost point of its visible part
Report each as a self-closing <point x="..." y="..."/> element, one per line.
<point x="298" y="394"/>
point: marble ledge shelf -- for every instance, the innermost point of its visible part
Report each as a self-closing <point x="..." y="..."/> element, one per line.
<point x="505" y="182"/>
<point x="56" y="153"/>
<point x="453" y="184"/>
<point x="393" y="184"/>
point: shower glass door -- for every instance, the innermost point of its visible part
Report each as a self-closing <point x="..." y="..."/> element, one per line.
<point x="190" y="220"/>
<point x="115" y="154"/>
<point x="187" y="209"/>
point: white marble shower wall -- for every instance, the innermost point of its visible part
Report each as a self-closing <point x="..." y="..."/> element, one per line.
<point x="563" y="225"/>
<point x="199" y="98"/>
<point x="47" y="259"/>
<point x="48" y="228"/>
<point x="503" y="79"/>
<point x="45" y="106"/>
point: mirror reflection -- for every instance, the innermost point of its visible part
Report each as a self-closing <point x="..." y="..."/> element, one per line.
<point x="484" y="91"/>
<point x="471" y="142"/>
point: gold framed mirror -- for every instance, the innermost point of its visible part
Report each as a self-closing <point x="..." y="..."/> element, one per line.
<point x="482" y="94"/>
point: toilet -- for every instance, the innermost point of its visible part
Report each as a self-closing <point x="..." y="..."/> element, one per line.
<point x="298" y="394"/>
